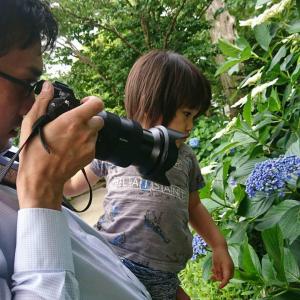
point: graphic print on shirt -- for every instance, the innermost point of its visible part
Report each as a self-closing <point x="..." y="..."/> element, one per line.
<point x="119" y="240"/>
<point x="153" y="222"/>
<point x="140" y="184"/>
<point x="109" y="217"/>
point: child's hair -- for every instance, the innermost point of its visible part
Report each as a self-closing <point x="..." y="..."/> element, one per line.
<point x="159" y="83"/>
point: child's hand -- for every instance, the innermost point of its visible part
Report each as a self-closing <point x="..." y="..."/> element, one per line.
<point x="222" y="266"/>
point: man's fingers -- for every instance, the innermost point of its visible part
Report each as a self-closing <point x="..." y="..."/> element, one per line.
<point x="40" y="105"/>
<point x="96" y="123"/>
<point x="91" y="107"/>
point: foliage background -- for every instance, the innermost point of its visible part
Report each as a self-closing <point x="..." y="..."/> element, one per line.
<point x="107" y="36"/>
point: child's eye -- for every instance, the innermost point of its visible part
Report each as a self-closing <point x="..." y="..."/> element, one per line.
<point x="187" y="113"/>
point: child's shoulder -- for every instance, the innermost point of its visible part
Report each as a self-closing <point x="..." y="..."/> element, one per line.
<point x="186" y="150"/>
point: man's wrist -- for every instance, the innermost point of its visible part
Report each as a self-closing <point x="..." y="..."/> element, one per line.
<point x="39" y="195"/>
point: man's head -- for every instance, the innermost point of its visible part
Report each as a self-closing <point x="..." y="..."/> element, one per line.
<point x="27" y="27"/>
<point x="161" y="82"/>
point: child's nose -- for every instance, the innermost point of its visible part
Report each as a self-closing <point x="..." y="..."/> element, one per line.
<point x="190" y="125"/>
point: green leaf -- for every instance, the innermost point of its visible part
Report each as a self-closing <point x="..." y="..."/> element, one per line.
<point x="273" y="242"/>
<point x="291" y="268"/>
<point x="293" y="27"/>
<point x="293" y="149"/>
<point x="276" y="59"/>
<point x="210" y="205"/>
<point x="274" y="101"/>
<point x="227" y="65"/>
<point x="256" y="206"/>
<point x="295" y="75"/>
<point x="294" y="247"/>
<point x="246" y="53"/>
<point x="268" y="271"/>
<point x="291" y="230"/>
<point x="239" y="193"/>
<point x="243" y="138"/>
<point x="247" y="115"/>
<point x="262" y="35"/>
<point x="242" y="43"/>
<point x="229" y="49"/>
<point x="206" y="266"/>
<point x="285" y="65"/>
<point x="218" y="183"/>
<point x="244" y="169"/>
<point x="239" y="232"/>
<point x="288" y="295"/>
<point x="263" y="124"/>
<point x="261" y="2"/>
<point x="274" y="215"/>
<point x="249" y="260"/>
<point x="223" y="148"/>
<point x="234" y="251"/>
<point x="206" y="190"/>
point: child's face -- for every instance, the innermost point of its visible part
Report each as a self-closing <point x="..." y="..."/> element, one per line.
<point x="184" y="120"/>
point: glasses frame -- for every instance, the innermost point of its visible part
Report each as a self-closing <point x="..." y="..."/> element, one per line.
<point x="28" y="86"/>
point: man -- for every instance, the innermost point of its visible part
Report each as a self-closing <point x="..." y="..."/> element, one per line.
<point x="47" y="252"/>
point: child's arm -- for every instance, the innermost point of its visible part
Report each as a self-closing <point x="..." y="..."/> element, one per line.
<point x="77" y="184"/>
<point x="204" y="225"/>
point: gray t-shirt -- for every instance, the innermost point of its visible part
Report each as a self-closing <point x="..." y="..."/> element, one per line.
<point x="147" y="222"/>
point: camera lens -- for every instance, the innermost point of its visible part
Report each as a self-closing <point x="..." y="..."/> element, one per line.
<point x="124" y="142"/>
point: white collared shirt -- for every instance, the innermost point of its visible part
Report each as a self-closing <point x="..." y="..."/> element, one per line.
<point x="55" y="255"/>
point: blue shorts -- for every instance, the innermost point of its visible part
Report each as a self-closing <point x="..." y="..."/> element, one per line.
<point x="161" y="285"/>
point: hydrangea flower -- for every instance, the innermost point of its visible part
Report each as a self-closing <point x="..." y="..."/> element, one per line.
<point x="199" y="246"/>
<point x="232" y="182"/>
<point x="271" y="176"/>
<point x="194" y="143"/>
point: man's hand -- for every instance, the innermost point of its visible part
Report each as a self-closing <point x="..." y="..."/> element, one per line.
<point x="71" y="139"/>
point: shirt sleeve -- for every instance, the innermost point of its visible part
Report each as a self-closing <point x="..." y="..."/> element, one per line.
<point x="196" y="178"/>
<point x="43" y="259"/>
<point x="99" y="167"/>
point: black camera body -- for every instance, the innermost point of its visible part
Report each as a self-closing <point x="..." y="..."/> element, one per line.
<point x="124" y="142"/>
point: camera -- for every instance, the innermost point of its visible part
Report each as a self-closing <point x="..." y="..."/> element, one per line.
<point x="122" y="141"/>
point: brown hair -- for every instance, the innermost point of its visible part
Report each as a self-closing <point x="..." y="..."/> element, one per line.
<point x="159" y="83"/>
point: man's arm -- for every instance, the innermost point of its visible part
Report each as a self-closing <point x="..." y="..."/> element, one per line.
<point x="43" y="259"/>
<point x="204" y="225"/>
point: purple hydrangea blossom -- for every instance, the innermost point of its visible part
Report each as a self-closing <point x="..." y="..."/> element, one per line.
<point x="194" y="143"/>
<point x="232" y="182"/>
<point x="199" y="246"/>
<point x="271" y="176"/>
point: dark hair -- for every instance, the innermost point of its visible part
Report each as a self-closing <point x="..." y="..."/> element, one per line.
<point x="25" y="22"/>
<point x="159" y="83"/>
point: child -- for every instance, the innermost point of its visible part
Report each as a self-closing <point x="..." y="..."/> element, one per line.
<point x="147" y="223"/>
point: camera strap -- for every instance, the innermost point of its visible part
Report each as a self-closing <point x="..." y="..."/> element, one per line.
<point x="37" y="128"/>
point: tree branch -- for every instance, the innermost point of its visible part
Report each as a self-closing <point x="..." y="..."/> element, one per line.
<point x="109" y="28"/>
<point x="172" y="26"/>
<point x="86" y="60"/>
<point x="145" y="29"/>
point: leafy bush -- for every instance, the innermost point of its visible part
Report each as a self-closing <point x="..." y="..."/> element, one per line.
<point x="262" y="228"/>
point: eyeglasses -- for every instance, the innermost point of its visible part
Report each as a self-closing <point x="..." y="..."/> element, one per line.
<point x="29" y="87"/>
